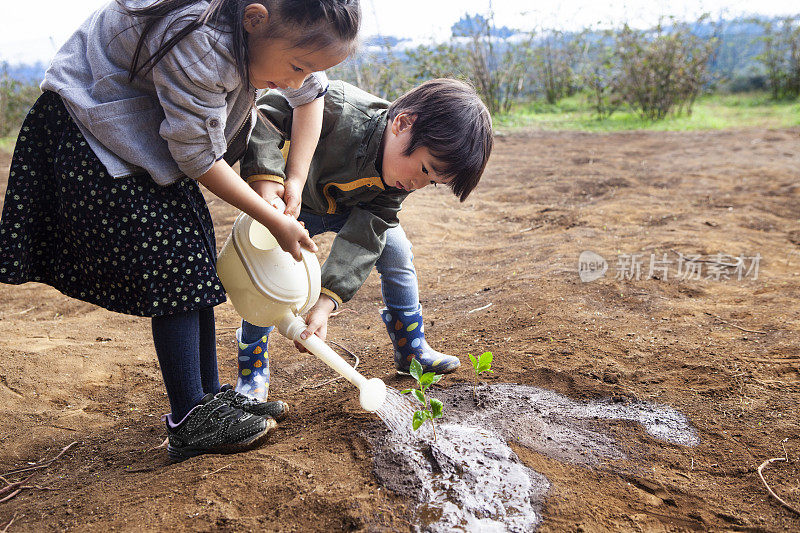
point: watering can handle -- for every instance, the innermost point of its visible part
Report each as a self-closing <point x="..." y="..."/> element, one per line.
<point x="312" y="275"/>
<point x="314" y="282"/>
<point x="278" y="204"/>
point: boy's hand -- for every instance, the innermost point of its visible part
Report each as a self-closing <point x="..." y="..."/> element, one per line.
<point x="268" y="190"/>
<point x="293" y="195"/>
<point x="317" y="320"/>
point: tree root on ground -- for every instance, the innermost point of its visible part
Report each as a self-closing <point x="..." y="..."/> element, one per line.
<point x="12" y="489"/>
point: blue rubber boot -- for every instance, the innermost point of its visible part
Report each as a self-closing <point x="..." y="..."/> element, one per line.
<point x="408" y="337"/>
<point x="253" y="376"/>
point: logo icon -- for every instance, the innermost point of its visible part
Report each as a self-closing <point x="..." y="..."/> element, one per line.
<point x="591" y="266"/>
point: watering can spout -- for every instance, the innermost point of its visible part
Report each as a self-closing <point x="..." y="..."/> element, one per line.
<point x="372" y="391"/>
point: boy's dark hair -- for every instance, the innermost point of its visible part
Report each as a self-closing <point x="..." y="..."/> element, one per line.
<point x="312" y="24"/>
<point x="453" y="123"/>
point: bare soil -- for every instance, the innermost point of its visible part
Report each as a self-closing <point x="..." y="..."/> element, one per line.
<point x="72" y="372"/>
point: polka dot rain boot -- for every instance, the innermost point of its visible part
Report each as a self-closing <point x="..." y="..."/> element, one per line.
<point x="408" y="337"/>
<point x="253" y="375"/>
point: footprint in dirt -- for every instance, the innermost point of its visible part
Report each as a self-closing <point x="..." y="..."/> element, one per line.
<point x="469" y="479"/>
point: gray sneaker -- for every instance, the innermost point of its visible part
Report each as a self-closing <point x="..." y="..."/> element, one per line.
<point x="214" y="426"/>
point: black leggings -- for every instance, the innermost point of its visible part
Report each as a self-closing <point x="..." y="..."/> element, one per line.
<point x="187" y="354"/>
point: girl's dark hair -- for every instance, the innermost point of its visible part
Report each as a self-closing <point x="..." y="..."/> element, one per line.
<point x="453" y="123"/>
<point x="309" y="23"/>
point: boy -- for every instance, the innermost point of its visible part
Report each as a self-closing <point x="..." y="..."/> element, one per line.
<point x="370" y="156"/>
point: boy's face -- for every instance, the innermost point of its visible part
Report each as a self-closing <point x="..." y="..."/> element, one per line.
<point x="407" y="172"/>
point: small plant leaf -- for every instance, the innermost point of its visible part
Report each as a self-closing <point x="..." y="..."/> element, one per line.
<point x="420" y="396"/>
<point x="407" y="391"/>
<point x="418" y="420"/>
<point x="426" y="379"/>
<point x="474" y="361"/>
<point x="484" y="368"/>
<point x="437" y="378"/>
<point x="486" y="358"/>
<point x="436" y="408"/>
<point x="415" y="369"/>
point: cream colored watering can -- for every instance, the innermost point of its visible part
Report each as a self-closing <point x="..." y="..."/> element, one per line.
<point x="269" y="288"/>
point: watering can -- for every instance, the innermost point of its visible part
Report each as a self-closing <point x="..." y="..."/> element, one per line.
<point x="269" y="288"/>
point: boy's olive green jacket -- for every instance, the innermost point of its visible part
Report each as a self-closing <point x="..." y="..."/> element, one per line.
<point x="343" y="178"/>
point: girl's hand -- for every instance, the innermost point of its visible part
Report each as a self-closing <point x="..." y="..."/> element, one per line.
<point x="293" y="195"/>
<point x="221" y="180"/>
<point x="317" y="320"/>
<point x="268" y="190"/>
<point x="291" y="236"/>
<point x="289" y="233"/>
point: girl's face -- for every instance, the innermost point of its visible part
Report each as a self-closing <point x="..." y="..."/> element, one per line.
<point x="274" y="62"/>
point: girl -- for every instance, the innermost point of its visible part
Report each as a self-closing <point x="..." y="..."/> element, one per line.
<point x="142" y="103"/>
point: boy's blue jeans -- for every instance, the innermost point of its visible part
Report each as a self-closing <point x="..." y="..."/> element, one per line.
<point x="399" y="284"/>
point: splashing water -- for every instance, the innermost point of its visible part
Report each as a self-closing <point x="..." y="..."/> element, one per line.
<point x="478" y="484"/>
<point x="447" y="471"/>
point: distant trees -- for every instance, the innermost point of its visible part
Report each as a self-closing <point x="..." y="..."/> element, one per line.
<point x="598" y="72"/>
<point x="553" y="57"/>
<point x="662" y="70"/>
<point x="655" y="72"/>
<point x="734" y="64"/>
<point x="16" y="98"/>
<point x="780" y="56"/>
<point x="495" y="65"/>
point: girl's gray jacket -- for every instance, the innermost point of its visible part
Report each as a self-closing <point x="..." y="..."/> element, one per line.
<point x="177" y="119"/>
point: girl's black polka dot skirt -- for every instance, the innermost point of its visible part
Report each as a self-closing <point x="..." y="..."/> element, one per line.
<point x="125" y="244"/>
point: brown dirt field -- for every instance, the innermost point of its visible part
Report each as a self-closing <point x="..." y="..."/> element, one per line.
<point x="71" y="372"/>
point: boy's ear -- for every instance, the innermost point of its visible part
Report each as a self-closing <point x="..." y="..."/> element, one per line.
<point x="402" y="122"/>
<point x="256" y="18"/>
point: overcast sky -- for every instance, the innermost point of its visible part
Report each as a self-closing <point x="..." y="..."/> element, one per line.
<point x="27" y="35"/>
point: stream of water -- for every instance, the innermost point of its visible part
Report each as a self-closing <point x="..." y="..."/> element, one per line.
<point x="396" y="413"/>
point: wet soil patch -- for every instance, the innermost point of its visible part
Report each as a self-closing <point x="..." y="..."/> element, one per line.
<point x="559" y="427"/>
<point x="469" y="478"/>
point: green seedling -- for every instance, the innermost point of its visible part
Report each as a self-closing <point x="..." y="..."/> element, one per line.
<point x="431" y="407"/>
<point x="479" y="366"/>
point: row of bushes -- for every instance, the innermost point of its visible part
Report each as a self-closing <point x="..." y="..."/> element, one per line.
<point x="781" y="57"/>
<point x="655" y="72"/>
